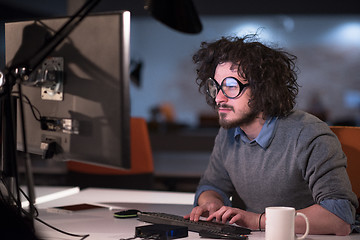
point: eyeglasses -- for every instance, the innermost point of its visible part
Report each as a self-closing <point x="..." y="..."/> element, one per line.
<point x="230" y="86"/>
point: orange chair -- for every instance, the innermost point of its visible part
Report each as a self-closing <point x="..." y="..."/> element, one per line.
<point x="140" y="176"/>
<point x="349" y="138"/>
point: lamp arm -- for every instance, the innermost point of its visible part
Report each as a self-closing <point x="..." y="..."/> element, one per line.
<point x="19" y="73"/>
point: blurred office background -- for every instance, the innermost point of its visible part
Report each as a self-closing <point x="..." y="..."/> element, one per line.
<point x="324" y="35"/>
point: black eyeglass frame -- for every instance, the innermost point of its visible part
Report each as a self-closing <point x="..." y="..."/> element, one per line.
<point x="219" y="87"/>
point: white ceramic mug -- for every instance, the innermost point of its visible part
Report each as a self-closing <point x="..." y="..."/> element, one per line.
<point x="280" y="223"/>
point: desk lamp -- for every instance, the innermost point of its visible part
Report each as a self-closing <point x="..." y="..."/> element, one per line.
<point x="19" y="73"/>
<point x="180" y="15"/>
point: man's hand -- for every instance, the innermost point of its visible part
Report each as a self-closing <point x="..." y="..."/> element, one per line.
<point x="235" y="215"/>
<point x="209" y="202"/>
<point x="203" y="211"/>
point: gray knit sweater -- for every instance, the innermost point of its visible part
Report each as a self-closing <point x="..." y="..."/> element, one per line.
<point x="303" y="165"/>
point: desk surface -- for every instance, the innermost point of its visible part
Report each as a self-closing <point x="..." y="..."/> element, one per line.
<point x="110" y="196"/>
<point x="101" y="224"/>
<point x="45" y="194"/>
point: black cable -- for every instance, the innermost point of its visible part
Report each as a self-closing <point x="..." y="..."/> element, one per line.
<point x="46" y="224"/>
<point x="154" y="236"/>
<point x="32" y="107"/>
<point x="27" y="198"/>
<point x="61" y="231"/>
<point x="11" y="196"/>
<point x="130" y="238"/>
<point x="43" y="222"/>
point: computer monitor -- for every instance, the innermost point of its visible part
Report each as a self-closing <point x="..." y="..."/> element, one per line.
<point x="85" y="104"/>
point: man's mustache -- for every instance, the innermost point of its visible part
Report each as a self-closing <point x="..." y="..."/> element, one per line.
<point x="224" y="106"/>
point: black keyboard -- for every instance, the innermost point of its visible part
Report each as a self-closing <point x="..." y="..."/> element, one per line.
<point x="200" y="226"/>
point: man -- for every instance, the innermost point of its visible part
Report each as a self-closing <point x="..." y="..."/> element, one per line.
<point x="266" y="152"/>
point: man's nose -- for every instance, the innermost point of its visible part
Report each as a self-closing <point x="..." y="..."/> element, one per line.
<point x="220" y="97"/>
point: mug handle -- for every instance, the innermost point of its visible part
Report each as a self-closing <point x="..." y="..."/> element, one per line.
<point x="307" y="225"/>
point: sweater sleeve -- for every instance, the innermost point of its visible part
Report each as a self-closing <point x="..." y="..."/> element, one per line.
<point x="216" y="174"/>
<point x="323" y="165"/>
<point x="204" y="188"/>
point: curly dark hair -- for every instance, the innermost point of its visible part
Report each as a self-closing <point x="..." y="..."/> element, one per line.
<point x="270" y="72"/>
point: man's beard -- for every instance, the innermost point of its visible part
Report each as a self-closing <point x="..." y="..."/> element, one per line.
<point x="244" y="120"/>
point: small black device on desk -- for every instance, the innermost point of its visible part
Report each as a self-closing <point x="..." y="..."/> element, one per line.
<point x="161" y="232"/>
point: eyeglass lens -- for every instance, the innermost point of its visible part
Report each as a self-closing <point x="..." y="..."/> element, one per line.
<point x="229" y="86"/>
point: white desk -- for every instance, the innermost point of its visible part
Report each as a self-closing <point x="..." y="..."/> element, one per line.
<point x="45" y="194"/>
<point x="101" y="225"/>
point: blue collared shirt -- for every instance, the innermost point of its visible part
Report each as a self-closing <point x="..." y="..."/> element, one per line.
<point x="339" y="207"/>
<point x="265" y="135"/>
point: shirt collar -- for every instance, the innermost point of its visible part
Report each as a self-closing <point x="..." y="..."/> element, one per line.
<point x="265" y="136"/>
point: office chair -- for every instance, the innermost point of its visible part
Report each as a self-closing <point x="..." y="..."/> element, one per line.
<point x="349" y="138"/>
<point x="140" y="176"/>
